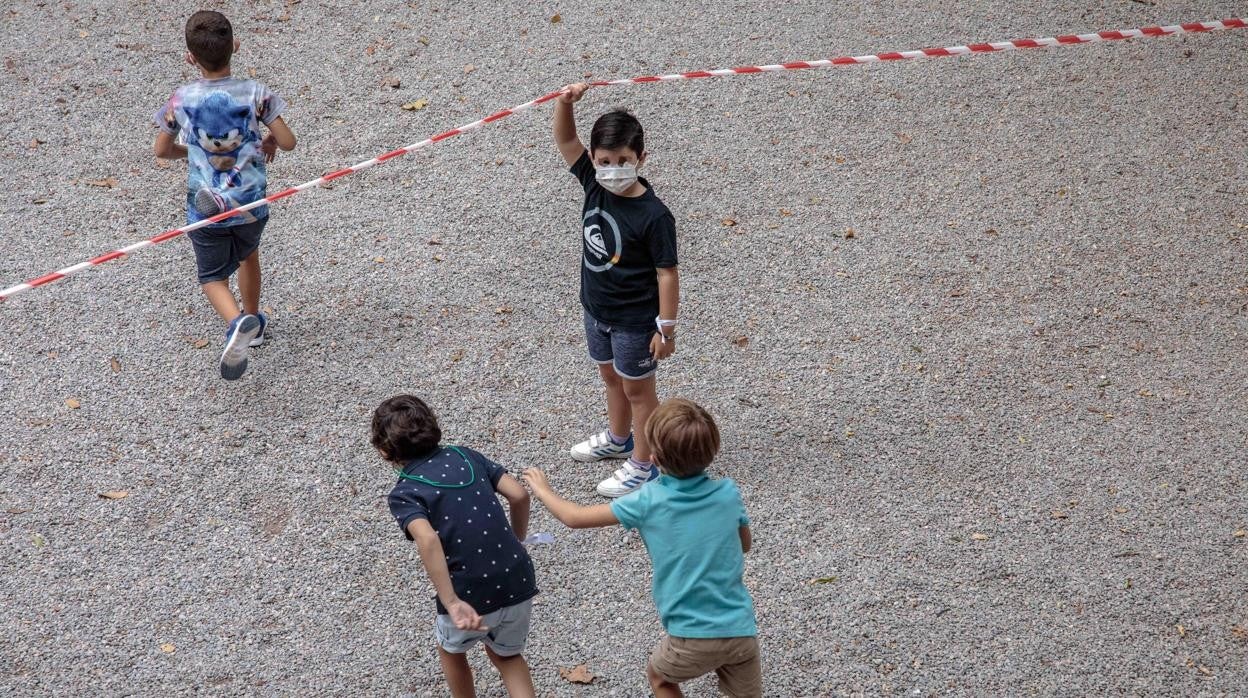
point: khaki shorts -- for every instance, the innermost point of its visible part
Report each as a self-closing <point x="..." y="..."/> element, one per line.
<point x="733" y="659"/>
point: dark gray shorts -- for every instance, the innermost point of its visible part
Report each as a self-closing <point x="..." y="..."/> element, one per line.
<point x="625" y="348"/>
<point x="218" y="251"/>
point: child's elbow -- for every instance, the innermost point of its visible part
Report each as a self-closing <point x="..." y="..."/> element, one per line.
<point x="521" y="500"/>
<point x="289" y="144"/>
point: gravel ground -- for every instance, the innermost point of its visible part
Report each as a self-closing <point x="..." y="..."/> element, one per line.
<point x="992" y="444"/>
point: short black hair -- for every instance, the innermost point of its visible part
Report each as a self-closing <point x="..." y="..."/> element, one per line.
<point x="617" y="129"/>
<point x="404" y="428"/>
<point x="210" y="38"/>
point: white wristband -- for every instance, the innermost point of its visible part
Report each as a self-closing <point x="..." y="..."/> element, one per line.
<point x="660" y="323"/>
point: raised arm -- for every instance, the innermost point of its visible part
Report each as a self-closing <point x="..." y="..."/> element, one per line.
<point x="570" y="146"/>
<point x="434" y="557"/>
<point x="570" y="514"/>
<point x="517" y="502"/>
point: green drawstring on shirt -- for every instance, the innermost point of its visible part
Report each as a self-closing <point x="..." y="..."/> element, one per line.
<point x="472" y="473"/>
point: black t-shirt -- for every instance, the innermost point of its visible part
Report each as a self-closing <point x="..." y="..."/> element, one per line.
<point x="625" y="239"/>
<point x="489" y="567"/>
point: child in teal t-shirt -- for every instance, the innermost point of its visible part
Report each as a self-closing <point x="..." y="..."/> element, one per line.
<point x="696" y="532"/>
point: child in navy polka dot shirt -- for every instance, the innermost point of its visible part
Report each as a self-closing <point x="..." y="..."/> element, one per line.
<point x="446" y="500"/>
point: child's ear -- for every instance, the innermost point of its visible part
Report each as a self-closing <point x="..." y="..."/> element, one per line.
<point x="190" y="58"/>
<point x="642" y="160"/>
<point x="236" y="45"/>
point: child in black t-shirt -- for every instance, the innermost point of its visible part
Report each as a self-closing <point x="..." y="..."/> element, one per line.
<point x="630" y="288"/>
<point x="446" y="501"/>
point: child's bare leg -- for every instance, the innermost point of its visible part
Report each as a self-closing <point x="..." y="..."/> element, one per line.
<point x="222" y="299"/>
<point x="660" y="686"/>
<point x="515" y="673"/>
<point x="249" y="282"/>
<point x="619" y="411"/>
<point x="458" y="674"/>
<point x="642" y="400"/>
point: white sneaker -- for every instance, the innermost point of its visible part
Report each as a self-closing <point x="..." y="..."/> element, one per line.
<point x="627" y="479"/>
<point x="600" y="446"/>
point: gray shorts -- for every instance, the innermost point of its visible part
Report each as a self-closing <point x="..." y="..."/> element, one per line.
<point x="508" y="629"/>
<point x="625" y="348"/>
<point x="218" y="251"/>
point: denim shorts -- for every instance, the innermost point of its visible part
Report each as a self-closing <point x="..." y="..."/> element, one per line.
<point x="218" y="251"/>
<point x="625" y="348"/>
<point x="507" y="630"/>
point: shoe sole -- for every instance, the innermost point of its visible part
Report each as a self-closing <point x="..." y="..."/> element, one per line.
<point x="234" y="356"/>
<point x="206" y="204"/>
<point x="594" y="459"/>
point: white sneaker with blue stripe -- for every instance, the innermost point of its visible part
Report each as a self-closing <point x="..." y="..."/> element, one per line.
<point x="600" y="446"/>
<point x="234" y="357"/>
<point x="627" y="479"/>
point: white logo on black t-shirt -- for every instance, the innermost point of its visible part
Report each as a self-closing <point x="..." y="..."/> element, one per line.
<point x="601" y="253"/>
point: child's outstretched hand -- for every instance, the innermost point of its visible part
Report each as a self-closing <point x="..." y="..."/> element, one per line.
<point x="573" y="93"/>
<point x="465" y="616"/>
<point x="536" y="480"/>
<point x="269" y="147"/>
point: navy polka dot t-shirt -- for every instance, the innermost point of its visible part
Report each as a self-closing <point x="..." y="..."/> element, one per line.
<point x="489" y="568"/>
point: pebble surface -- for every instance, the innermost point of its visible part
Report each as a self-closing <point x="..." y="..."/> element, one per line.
<point x="991" y="442"/>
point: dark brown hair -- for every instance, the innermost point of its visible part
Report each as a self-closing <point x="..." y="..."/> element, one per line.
<point x="683" y="437"/>
<point x="404" y="429"/>
<point x="210" y="38"/>
<point x="617" y="129"/>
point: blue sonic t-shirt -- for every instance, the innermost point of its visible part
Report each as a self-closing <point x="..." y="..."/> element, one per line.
<point x="219" y="122"/>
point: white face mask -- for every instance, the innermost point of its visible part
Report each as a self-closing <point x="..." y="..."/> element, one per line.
<point x="617" y="178"/>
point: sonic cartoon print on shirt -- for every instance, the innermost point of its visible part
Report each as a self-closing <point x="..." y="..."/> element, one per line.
<point x="219" y="122"/>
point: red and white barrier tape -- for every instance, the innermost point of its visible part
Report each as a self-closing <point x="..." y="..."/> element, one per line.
<point x="996" y="46"/>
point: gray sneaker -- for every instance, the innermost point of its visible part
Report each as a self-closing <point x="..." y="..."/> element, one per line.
<point x="234" y="357"/>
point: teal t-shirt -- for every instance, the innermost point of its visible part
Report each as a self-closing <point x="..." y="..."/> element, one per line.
<point x="690" y="528"/>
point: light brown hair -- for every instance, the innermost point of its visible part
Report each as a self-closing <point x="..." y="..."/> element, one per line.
<point x="683" y="437"/>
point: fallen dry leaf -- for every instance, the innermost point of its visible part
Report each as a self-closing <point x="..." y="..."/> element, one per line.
<point x="1182" y="630"/>
<point x="73" y="403"/>
<point x="379" y="260"/>
<point x="424" y="40"/>
<point x="457" y="355"/>
<point x="580" y="672"/>
<point x="200" y="343"/>
<point x="785" y="212"/>
<point x="114" y="494"/>
<point x="823" y="580"/>
<point x="741" y="340"/>
<point x="850" y="234"/>
<point x="107" y="182"/>
<point x="1240" y="533"/>
<point x="979" y="536"/>
<point x="555" y="20"/>
<point x="115" y="365"/>
<point x="469" y="68"/>
<point x="168" y="648"/>
<point x="904" y="138"/>
<point x="391" y="82"/>
<point x="1058" y="514"/>
<point x="503" y="310"/>
<point x="728" y="222"/>
<point x="416" y="105"/>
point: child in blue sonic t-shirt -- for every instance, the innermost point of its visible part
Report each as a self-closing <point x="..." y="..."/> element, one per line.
<point x="219" y="120"/>
<point x="696" y="533"/>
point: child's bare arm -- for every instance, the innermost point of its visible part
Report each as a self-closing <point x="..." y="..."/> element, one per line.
<point x="167" y="147"/>
<point x="569" y="144"/>
<point x="517" y="502"/>
<point x="434" y="558"/>
<point x="570" y="514"/>
<point x="746" y="539"/>
<point x="280" y="136"/>
<point x="669" y="304"/>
